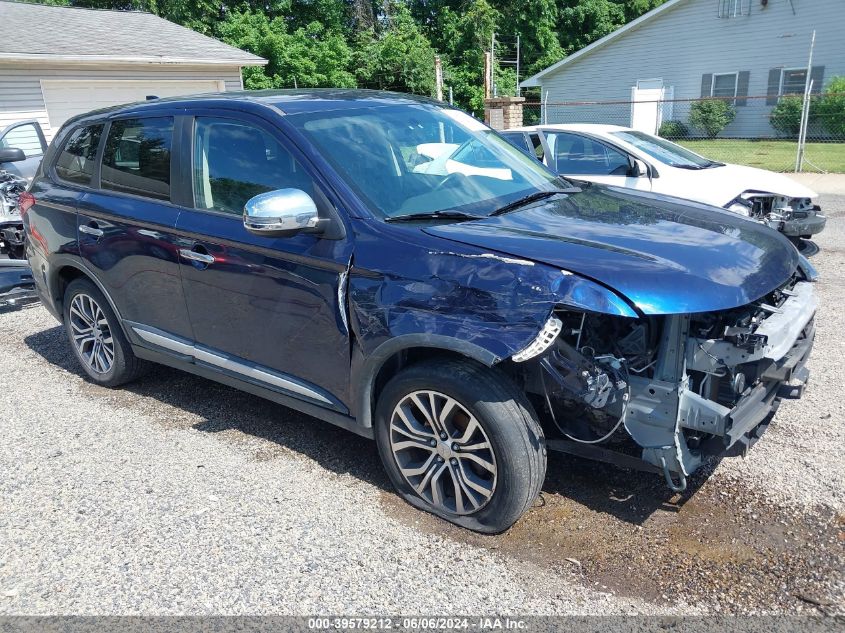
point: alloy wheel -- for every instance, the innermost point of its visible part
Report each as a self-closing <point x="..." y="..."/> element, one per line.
<point x="442" y="451"/>
<point x="91" y="333"/>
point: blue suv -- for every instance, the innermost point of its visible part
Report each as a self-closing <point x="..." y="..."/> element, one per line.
<point x="390" y="265"/>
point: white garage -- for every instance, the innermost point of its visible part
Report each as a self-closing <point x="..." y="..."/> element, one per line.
<point x="65" y="98"/>
<point x="85" y="59"/>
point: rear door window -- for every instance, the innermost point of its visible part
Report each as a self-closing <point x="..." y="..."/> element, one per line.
<point x="136" y="158"/>
<point x="77" y="159"/>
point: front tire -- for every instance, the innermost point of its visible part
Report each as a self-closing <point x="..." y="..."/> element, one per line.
<point x="459" y="440"/>
<point x="96" y="337"/>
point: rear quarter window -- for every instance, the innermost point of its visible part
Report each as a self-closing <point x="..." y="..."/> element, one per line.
<point x="76" y="161"/>
<point x="136" y="158"/>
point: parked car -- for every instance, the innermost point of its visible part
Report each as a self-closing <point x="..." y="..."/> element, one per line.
<point x="28" y="137"/>
<point x="625" y="157"/>
<point x="285" y="243"/>
<point x="22" y="145"/>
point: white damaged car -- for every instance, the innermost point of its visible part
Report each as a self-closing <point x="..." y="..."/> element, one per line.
<point x="626" y="157"/>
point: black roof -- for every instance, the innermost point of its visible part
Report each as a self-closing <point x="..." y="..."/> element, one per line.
<point x="282" y="101"/>
<point x="286" y="101"/>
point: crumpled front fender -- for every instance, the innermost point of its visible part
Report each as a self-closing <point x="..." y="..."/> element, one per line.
<point x="496" y="305"/>
<point x="479" y="304"/>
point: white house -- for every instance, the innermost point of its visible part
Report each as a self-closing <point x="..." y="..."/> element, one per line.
<point x="56" y="62"/>
<point x="752" y="51"/>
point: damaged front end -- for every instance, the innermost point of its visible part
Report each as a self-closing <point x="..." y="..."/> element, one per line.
<point x="794" y="217"/>
<point x="666" y="392"/>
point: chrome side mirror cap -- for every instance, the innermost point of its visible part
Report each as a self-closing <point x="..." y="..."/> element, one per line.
<point x="281" y="213"/>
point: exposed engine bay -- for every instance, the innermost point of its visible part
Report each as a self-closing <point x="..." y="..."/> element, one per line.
<point x="11" y="225"/>
<point x="794" y="217"/>
<point x="673" y="390"/>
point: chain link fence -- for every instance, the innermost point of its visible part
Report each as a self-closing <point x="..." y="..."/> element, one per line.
<point x="760" y="131"/>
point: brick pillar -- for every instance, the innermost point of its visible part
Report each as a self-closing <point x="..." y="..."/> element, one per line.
<point x="503" y="113"/>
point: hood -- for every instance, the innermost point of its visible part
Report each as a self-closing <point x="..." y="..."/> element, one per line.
<point x="720" y="185"/>
<point x="664" y="255"/>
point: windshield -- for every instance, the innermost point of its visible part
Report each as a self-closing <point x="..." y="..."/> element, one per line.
<point x="664" y="151"/>
<point x="423" y="159"/>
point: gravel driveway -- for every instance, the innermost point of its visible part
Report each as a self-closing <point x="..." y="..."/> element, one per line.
<point x="176" y="495"/>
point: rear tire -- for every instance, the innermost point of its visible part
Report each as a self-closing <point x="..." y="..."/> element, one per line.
<point x="96" y="337"/>
<point x="459" y="440"/>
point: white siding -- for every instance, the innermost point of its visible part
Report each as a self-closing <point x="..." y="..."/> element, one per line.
<point x="689" y="40"/>
<point x="21" y="95"/>
<point x="66" y="98"/>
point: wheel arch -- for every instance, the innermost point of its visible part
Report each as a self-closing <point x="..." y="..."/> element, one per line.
<point x="63" y="272"/>
<point x="400" y="352"/>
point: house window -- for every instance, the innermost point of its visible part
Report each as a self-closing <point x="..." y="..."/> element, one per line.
<point x="793" y="81"/>
<point x="724" y="85"/>
<point x="733" y="8"/>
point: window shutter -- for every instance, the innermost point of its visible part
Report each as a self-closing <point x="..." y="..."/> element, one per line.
<point x="817" y="77"/>
<point x="706" y="84"/>
<point x="742" y="87"/>
<point x="773" y="91"/>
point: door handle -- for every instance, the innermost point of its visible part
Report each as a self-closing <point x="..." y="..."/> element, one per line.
<point x="91" y="229"/>
<point x="203" y="258"/>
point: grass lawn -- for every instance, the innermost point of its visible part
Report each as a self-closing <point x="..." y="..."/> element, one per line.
<point x="771" y="154"/>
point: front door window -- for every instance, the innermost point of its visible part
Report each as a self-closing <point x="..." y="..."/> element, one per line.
<point x="235" y="161"/>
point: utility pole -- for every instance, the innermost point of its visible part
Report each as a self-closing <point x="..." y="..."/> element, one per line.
<point x="805" y="109"/>
<point x="493" y="63"/>
<point x="451" y="102"/>
<point x="438" y="78"/>
<point x="517" y="65"/>
<point x="488" y="68"/>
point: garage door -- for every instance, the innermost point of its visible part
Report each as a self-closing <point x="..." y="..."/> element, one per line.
<point x="67" y="98"/>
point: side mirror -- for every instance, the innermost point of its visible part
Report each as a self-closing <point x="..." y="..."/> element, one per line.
<point x="11" y="155"/>
<point x="281" y="213"/>
<point x="638" y="168"/>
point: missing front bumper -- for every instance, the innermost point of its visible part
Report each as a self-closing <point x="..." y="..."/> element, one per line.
<point x="704" y="422"/>
<point x="813" y="223"/>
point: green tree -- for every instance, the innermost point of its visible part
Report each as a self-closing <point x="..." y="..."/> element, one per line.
<point x="536" y="22"/>
<point x="711" y="115"/>
<point x="309" y="57"/>
<point x="391" y="43"/>
<point x="463" y="38"/>
<point x="785" y="117"/>
<point x="397" y="57"/>
<point x="582" y="22"/>
<point x="831" y="108"/>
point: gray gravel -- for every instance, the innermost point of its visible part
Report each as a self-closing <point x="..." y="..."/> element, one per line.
<point x="179" y="496"/>
<point x="801" y="460"/>
<point x="186" y="501"/>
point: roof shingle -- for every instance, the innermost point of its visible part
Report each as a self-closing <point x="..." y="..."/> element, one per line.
<point x="93" y="34"/>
